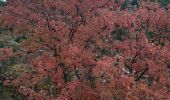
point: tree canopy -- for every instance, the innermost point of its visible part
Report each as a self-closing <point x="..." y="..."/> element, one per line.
<point x="87" y="49"/>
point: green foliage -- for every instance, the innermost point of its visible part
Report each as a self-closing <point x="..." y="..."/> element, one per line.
<point x="130" y="2"/>
<point x="19" y="39"/>
<point x="150" y="35"/>
<point x="68" y="76"/>
<point x="16" y="70"/>
<point x="3" y="30"/>
<point x="7" y="41"/>
<point x="124" y="5"/>
<point x="92" y="80"/>
<point x="105" y="51"/>
<point x="135" y="2"/>
<point x="164" y="2"/>
<point x="33" y="22"/>
<point x="9" y="67"/>
<point x="2" y="4"/>
<point x="2" y="45"/>
<point x="118" y="34"/>
<point x="116" y="63"/>
<point x="149" y="81"/>
<point x="10" y="61"/>
<point x="10" y="93"/>
<point x="46" y="84"/>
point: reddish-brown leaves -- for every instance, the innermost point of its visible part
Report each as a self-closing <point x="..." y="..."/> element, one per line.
<point x="92" y="50"/>
<point x="5" y="53"/>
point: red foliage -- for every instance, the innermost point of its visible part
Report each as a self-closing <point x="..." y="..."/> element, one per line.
<point x="5" y="53"/>
<point x="92" y="50"/>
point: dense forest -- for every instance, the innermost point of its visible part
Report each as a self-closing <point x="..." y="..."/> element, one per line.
<point x="84" y="50"/>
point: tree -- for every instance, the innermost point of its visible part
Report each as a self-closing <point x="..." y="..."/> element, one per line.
<point x="88" y="49"/>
